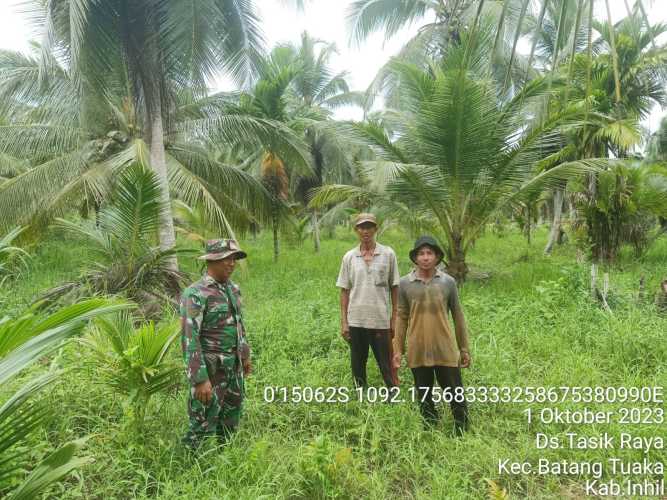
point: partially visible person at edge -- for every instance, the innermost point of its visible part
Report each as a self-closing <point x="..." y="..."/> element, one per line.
<point x="368" y="282"/>
<point x="426" y="297"/>
<point x="215" y="348"/>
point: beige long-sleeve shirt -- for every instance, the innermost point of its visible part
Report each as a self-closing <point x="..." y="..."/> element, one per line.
<point x="423" y="318"/>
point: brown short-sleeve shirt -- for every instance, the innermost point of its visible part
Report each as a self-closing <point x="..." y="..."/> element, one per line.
<point x="370" y="286"/>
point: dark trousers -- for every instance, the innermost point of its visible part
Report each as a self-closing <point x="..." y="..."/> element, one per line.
<point x="380" y="342"/>
<point x="447" y="376"/>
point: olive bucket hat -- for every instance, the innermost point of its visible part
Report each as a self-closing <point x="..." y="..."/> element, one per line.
<point x="221" y="249"/>
<point x="428" y="241"/>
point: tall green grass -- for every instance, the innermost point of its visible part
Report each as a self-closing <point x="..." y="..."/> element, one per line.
<point x="531" y="323"/>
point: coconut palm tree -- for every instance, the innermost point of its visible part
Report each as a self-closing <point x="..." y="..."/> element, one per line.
<point x="451" y="18"/>
<point x="268" y="100"/>
<point x="132" y="360"/>
<point x="122" y="247"/>
<point x="366" y="16"/>
<point x="315" y="92"/>
<point x="78" y="142"/>
<point x="557" y="26"/>
<point x="156" y="44"/>
<point x="462" y="153"/>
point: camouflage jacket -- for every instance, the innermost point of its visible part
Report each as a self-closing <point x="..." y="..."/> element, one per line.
<point x="211" y="323"/>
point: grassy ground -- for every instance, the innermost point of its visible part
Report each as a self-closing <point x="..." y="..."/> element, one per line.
<point x="531" y="324"/>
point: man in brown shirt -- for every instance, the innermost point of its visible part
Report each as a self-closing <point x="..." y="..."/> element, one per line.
<point x="426" y="296"/>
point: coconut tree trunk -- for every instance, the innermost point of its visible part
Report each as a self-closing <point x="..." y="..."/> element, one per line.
<point x="456" y="260"/>
<point x="276" y="244"/>
<point x="166" y="231"/>
<point x="274" y="177"/>
<point x="139" y="410"/>
<point x="316" y="230"/>
<point x="555" y="226"/>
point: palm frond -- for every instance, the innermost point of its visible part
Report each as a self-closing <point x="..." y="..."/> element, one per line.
<point x="53" y="468"/>
<point x="234" y="129"/>
<point x="123" y="257"/>
<point x="132" y="360"/>
<point x="23" y="196"/>
<point x="366" y="16"/>
<point x="374" y="135"/>
<point x="133" y="217"/>
<point x="227" y="192"/>
<point x="19" y="419"/>
<point x="336" y="193"/>
<point x="25" y="340"/>
<point x="40" y="140"/>
<point x="351" y="98"/>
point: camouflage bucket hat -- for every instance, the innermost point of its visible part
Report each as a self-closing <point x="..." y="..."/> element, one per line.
<point x="221" y="249"/>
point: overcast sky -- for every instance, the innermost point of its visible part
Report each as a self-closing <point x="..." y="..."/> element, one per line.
<point x="323" y="19"/>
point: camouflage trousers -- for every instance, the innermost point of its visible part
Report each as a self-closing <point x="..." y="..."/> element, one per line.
<point x="221" y="416"/>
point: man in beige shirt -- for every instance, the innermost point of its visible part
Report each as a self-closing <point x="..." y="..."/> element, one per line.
<point x="368" y="279"/>
<point x="426" y="297"/>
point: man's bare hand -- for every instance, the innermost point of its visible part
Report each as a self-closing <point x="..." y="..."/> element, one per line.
<point x="396" y="361"/>
<point x="345" y="333"/>
<point x="247" y="367"/>
<point x="204" y="392"/>
<point x="465" y="359"/>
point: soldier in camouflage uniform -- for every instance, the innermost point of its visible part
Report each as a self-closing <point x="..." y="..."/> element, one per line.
<point x="215" y="349"/>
